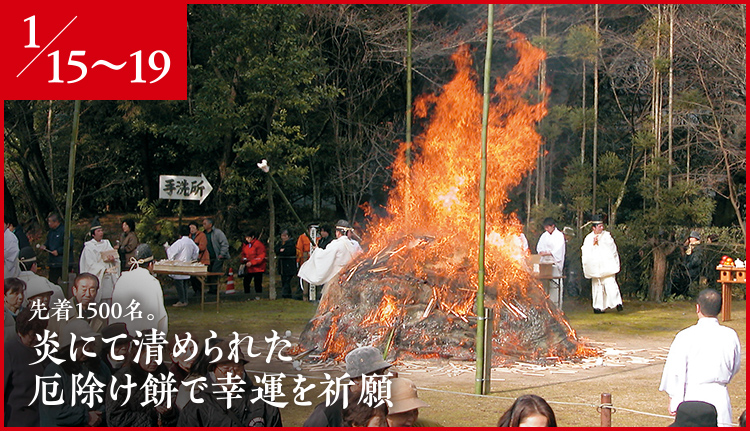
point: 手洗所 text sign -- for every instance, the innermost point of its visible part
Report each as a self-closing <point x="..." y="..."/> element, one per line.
<point x="184" y="188"/>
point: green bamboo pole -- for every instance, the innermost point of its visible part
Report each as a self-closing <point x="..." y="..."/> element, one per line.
<point x="480" y="340"/>
<point x="408" y="89"/>
<point x="69" y="196"/>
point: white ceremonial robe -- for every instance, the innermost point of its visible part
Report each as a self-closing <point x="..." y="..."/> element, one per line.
<point x="183" y="250"/>
<point x="600" y="263"/>
<point x="10" y="252"/>
<point x="324" y="264"/>
<point x="702" y="360"/>
<point x="139" y="285"/>
<point x="554" y="243"/>
<point x="107" y="272"/>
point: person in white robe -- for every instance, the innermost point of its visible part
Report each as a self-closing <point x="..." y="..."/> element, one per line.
<point x="600" y="263"/>
<point x="140" y="285"/>
<point x="551" y="246"/>
<point x="106" y="269"/>
<point x="702" y="360"/>
<point x="324" y="264"/>
<point x="10" y="252"/>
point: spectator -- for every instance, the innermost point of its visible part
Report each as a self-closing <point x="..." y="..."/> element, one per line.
<point x="10" y="251"/>
<point x="359" y="414"/>
<point x="85" y="289"/>
<point x="99" y="258"/>
<point x="702" y="360"/>
<point x="406" y="404"/>
<point x="224" y="373"/>
<point x="253" y="258"/>
<point x="287" y="266"/>
<point x="29" y="268"/>
<point x="55" y="246"/>
<point x="218" y="252"/>
<point x="197" y="370"/>
<point x="695" y="414"/>
<point x="200" y="240"/>
<point x="743" y="421"/>
<point x="136" y="412"/>
<point x="76" y="361"/>
<point x="14" y="293"/>
<point x="694" y="258"/>
<point x="600" y="263"/>
<point x="183" y="250"/>
<point x="303" y="254"/>
<point x="183" y="361"/>
<point x="362" y="361"/>
<point x="20" y="374"/>
<point x="528" y="411"/>
<point x="127" y="244"/>
<point x="552" y="243"/>
<point x="325" y="236"/>
<point x="141" y="286"/>
<point x="116" y="346"/>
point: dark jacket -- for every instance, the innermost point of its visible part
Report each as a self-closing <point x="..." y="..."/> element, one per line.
<point x="212" y="412"/>
<point x="330" y="416"/>
<point x="323" y="242"/>
<point x="20" y="383"/>
<point x="67" y="414"/>
<point x="55" y="241"/>
<point x="133" y="414"/>
<point x="286" y="253"/>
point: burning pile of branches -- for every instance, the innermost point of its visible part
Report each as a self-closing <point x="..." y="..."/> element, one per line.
<point x="415" y="298"/>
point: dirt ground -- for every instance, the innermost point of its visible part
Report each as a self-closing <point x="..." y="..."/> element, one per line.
<point x="630" y="369"/>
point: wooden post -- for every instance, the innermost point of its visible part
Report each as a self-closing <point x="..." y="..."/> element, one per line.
<point x="606" y="410"/>
<point x="726" y="302"/>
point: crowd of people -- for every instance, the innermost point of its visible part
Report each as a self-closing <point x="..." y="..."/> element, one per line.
<point x="702" y="360"/>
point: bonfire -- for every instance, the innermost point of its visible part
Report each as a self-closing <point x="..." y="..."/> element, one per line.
<point x="413" y="293"/>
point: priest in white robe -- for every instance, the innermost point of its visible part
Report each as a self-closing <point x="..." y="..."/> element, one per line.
<point x="140" y="285"/>
<point x="702" y="361"/>
<point x="324" y="264"/>
<point x="100" y="258"/>
<point x="551" y="246"/>
<point x="600" y="263"/>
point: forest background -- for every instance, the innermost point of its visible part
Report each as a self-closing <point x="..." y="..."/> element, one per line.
<point x="646" y="124"/>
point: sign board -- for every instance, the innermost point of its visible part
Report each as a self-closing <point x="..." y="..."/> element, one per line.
<point x="184" y="188"/>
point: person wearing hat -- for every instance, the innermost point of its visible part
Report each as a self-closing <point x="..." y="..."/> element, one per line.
<point x="28" y="265"/>
<point x="702" y="360"/>
<point x="78" y="361"/>
<point x="695" y="414"/>
<point x="116" y="346"/>
<point x="551" y="246"/>
<point x="227" y="372"/>
<point x="21" y="369"/>
<point x="137" y="412"/>
<point x="140" y="285"/>
<point x="99" y="258"/>
<point x="362" y="361"/>
<point x="600" y="263"/>
<point x="325" y="264"/>
<point x="404" y="411"/>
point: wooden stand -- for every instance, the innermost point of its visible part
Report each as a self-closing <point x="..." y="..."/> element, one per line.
<point x="727" y="277"/>
<point x="201" y="276"/>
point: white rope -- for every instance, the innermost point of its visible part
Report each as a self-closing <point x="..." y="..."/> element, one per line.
<point x="494" y="397"/>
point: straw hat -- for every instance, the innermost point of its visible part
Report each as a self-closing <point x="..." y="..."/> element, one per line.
<point x="404" y="396"/>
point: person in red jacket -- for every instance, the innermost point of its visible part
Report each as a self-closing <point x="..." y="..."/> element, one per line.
<point x="254" y="258"/>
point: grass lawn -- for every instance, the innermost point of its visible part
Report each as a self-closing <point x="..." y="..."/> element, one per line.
<point x="642" y="325"/>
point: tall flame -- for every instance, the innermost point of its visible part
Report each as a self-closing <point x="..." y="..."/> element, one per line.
<point x="439" y="192"/>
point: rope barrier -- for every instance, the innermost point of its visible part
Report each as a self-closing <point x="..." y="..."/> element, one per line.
<point x="494" y="397"/>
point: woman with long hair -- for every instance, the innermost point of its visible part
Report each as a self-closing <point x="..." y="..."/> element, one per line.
<point x="528" y="411"/>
